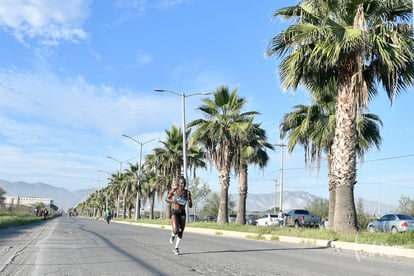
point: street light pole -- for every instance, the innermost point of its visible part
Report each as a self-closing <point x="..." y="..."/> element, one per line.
<point x="137" y="211"/>
<point x="120" y="170"/>
<point x="183" y="96"/>
<point x="274" y="199"/>
<point x="281" y="145"/>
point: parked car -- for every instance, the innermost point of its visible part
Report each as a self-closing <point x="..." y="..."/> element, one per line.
<point x="394" y="223"/>
<point x="251" y="219"/>
<point x="301" y="217"/>
<point x="210" y="218"/>
<point x="269" y="220"/>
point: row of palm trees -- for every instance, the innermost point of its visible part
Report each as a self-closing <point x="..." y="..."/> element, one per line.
<point x="227" y="139"/>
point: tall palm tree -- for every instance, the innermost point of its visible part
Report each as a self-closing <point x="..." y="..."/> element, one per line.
<point x="313" y="127"/>
<point x="167" y="161"/>
<point x="223" y="123"/>
<point x="115" y="188"/>
<point x="251" y="150"/>
<point x="358" y="44"/>
<point x="131" y="174"/>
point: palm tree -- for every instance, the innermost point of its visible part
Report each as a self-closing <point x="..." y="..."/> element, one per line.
<point x="217" y="134"/>
<point x="313" y="127"/>
<point x="167" y="162"/>
<point x="172" y="154"/>
<point x="251" y="150"/>
<point x="131" y="176"/>
<point x="357" y="44"/>
<point x="115" y="187"/>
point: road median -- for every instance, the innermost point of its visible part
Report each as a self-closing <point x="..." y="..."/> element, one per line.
<point x="363" y="249"/>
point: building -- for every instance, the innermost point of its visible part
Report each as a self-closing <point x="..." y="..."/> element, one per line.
<point x="27" y="201"/>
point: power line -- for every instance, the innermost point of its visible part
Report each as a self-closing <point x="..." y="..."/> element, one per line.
<point x="388" y="158"/>
<point x="359" y="162"/>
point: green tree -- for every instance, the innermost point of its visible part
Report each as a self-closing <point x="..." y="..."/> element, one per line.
<point x="199" y="191"/>
<point x="318" y="206"/>
<point x="212" y="204"/>
<point x="357" y="44"/>
<point x="406" y="205"/>
<point x="224" y="122"/>
<point x="363" y="219"/>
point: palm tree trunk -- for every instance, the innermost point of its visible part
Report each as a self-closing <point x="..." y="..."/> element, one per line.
<point x="152" y="202"/>
<point x="344" y="162"/>
<point x="332" y="192"/>
<point x="124" y="209"/>
<point x="241" y="210"/>
<point x="224" y="179"/>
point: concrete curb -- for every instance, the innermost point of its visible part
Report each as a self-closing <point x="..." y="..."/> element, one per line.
<point x="388" y="251"/>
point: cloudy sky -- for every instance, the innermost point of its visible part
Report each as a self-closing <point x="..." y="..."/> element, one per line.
<point x="76" y="75"/>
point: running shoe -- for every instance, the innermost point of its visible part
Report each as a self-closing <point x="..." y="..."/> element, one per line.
<point x="176" y="251"/>
<point x="172" y="239"/>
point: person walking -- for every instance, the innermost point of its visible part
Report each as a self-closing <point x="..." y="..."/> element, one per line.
<point x="178" y="197"/>
<point x="45" y="213"/>
<point x="108" y="215"/>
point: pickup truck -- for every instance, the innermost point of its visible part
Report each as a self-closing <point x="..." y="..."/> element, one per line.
<point x="301" y="218"/>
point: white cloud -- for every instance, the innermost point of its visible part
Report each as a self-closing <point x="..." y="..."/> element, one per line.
<point x="48" y="21"/>
<point x="143" y="58"/>
<point x="74" y="103"/>
<point x="167" y="4"/>
<point x="59" y="131"/>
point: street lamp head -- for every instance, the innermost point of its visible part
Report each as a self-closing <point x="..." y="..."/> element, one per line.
<point x="168" y="91"/>
<point x="181" y="94"/>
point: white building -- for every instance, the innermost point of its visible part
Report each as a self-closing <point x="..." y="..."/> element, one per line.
<point x="27" y="201"/>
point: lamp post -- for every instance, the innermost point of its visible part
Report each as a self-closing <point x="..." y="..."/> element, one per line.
<point x="137" y="211"/>
<point x="183" y="96"/>
<point x="281" y="145"/>
<point x="274" y="199"/>
<point x="120" y="170"/>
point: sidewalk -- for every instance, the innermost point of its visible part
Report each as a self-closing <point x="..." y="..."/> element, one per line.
<point x="388" y="251"/>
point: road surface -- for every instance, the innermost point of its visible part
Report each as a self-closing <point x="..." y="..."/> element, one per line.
<point x="77" y="246"/>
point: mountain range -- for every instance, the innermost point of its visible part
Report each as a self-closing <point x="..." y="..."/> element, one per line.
<point x="66" y="199"/>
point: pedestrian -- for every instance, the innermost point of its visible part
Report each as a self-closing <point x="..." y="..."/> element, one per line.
<point x="45" y="213"/>
<point x="108" y="215"/>
<point x="178" y="197"/>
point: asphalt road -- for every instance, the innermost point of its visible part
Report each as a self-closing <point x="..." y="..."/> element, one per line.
<point x="76" y="246"/>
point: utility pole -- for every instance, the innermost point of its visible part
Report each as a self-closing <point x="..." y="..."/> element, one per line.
<point x="274" y="201"/>
<point x="281" y="145"/>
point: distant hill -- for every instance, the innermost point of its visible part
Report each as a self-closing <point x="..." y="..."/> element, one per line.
<point x="255" y="202"/>
<point x="62" y="198"/>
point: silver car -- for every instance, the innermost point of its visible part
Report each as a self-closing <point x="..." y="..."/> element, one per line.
<point x="394" y="223"/>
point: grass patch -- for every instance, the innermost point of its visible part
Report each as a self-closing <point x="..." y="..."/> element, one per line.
<point x="405" y="240"/>
<point x="12" y="219"/>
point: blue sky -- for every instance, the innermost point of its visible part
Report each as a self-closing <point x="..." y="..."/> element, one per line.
<point x="76" y="75"/>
